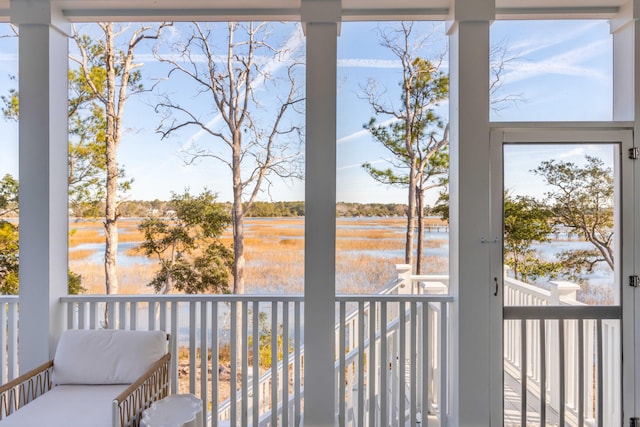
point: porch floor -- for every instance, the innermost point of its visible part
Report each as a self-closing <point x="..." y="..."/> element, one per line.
<point x="512" y="401"/>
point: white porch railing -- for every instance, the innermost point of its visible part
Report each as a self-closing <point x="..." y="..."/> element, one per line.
<point x="392" y="367"/>
<point x="562" y="352"/>
<point x="395" y="341"/>
<point x="8" y="338"/>
<point x="397" y="338"/>
<point x="218" y="343"/>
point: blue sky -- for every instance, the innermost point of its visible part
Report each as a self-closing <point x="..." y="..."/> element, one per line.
<point x="561" y="71"/>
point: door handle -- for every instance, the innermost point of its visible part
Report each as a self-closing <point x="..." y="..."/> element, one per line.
<point x="495" y="279"/>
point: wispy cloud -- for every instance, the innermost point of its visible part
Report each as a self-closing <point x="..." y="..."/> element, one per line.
<point x="569" y="63"/>
<point x="359" y="165"/>
<point x="552" y="38"/>
<point x="369" y="63"/>
<point x="364" y="132"/>
<point x="8" y="57"/>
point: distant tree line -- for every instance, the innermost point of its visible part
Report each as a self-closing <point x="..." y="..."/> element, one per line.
<point x="161" y="208"/>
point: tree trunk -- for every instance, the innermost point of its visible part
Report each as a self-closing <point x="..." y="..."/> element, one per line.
<point x="420" y="213"/>
<point x="111" y="202"/>
<point x="238" y="243"/>
<point x="238" y="217"/>
<point x="411" y="220"/>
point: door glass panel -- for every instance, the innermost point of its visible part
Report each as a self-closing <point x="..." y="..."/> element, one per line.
<point x="561" y="254"/>
<point x="560" y="210"/>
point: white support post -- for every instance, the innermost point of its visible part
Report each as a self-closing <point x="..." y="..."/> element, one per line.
<point x="626" y="106"/>
<point x="321" y="19"/>
<point x="470" y="196"/>
<point x="43" y="58"/>
<point x="563" y="291"/>
<point x="403" y="271"/>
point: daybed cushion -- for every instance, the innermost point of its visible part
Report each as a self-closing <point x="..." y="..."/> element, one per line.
<point x="106" y="356"/>
<point x="68" y="406"/>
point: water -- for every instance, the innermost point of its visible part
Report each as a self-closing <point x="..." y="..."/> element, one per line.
<point x="97" y="256"/>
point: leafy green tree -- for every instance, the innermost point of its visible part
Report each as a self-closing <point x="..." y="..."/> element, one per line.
<point x="8" y="258"/>
<point x="416" y="133"/>
<point x="581" y="198"/>
<point x="188" y="248"/>
<point x="86" y="169"/>
<point x="9" y="243"/>
<point x="8" y="236"/>
<point x="75" y="283"/>
<point x="8" y="195"/>
<point x="526" y="221"/>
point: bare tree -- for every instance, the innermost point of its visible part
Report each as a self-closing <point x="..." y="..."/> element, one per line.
<point x="112" y="76"/>
<point x="255" y="141"/>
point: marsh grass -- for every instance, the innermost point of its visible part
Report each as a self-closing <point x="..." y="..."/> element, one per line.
<point x="80" y="254"/>
<point x="274" y="250"/>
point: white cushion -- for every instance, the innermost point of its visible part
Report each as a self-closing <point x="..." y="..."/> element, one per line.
<point x="106" y="356"/>
<point x="68" y="406"/>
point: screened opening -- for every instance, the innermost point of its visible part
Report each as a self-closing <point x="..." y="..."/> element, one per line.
<point x="375" y="187"/>
<point x="559" y="70"/>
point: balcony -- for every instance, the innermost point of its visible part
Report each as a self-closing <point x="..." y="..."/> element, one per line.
<point x="392" y="353"/>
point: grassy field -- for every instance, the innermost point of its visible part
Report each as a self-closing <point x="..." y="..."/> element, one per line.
<point x="366" y="251"/>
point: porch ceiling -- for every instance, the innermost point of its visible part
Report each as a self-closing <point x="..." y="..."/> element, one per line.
<point x="87" y="10"/>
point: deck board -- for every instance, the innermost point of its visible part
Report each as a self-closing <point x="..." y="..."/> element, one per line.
<point x="512" y="401"/>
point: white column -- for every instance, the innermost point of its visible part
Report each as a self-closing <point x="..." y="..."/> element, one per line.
<point x="43" y="54"/>
<point x="321" y="20"/>
<point x="626" y="107"/>
<point x="470" y="261"/>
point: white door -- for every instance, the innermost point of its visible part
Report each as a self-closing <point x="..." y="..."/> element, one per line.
<point x="564" y="217"/>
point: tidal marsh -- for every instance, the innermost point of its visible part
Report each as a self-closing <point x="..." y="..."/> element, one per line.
<point x="366" y="251"/>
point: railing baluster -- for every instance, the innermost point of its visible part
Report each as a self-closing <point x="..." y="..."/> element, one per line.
<point x="122" y="315"/>
<point x="581" y="372"/>
<point x="523" y="372"/>
<point x="12" y="371"/>
<point x="561" y="405"/>
<point x="361" y="366"/>
<point x="81" y="316"/>
<point x="204" y="350"/>
<point x="192" y="346"/>
<point x="174" y="346"/>
<point x="543" y="374"/>
<point x="245" y="365"/>
<point x="70" y="320"/>
<point x="296" y="363"/>
<point x="285" y="363"/>
<point x="274" y="363"/>
<point x="373" y="368"/>
<point x="3" y="343"/>
<point x="384" y="364"/>
<point x="413" y="362"/>
<point x="402" y="372"/>
<point x="215" y="367"/>
<point x="600" y="374"/>
<point x="444" y="366"/>
<point x="163" y="315"/>
<point x="427" y="363"/>
<point x="133" y="316"/>
<point x="256" y="363"/>
<point x="151" y="315"/>
<point x="111" y="317"/>
<point x="234" y="358"/>
<point x="341" y="370"/>
<point x="93" y="315"/>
